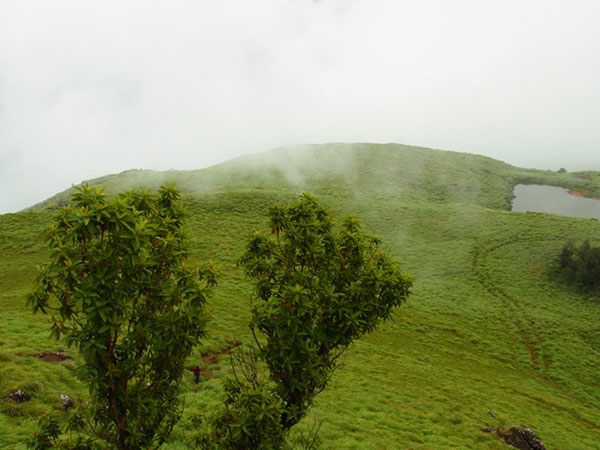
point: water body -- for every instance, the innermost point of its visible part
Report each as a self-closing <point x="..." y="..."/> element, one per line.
<point x="554" y="200"/>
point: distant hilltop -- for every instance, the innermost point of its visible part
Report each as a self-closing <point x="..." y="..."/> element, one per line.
<point x="389" y="169"/>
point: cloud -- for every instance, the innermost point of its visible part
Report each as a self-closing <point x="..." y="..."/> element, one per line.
<point x="89" y="88"/>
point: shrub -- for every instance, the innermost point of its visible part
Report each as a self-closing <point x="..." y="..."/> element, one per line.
<point x="317" y="290"/>
<point x="580" y="265"/>
<point x="119" y="290"/>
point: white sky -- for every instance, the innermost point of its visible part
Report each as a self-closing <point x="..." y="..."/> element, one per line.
<point x="95" y="87"/>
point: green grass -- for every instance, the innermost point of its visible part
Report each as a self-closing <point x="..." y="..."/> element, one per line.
<point x="487" y="326"/>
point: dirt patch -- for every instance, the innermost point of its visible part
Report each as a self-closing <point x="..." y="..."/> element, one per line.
<point x="585" y="193"/>
<point x="227" y="349"/>
<point x="53" y="356"/>
<point x="209" y="359"/>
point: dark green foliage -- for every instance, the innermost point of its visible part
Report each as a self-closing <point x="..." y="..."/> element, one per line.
<point x="47" y="433"/>
<point x="580" y="265"/>
<point x="119" y="290"/>
<point x="251" y="418"/>
<point x="317" y="290"/>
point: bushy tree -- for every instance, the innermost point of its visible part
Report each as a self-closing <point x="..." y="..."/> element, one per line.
<point x="580" y="265"/>
<point x="317" y="289"/>
<point x="119" y="290"/>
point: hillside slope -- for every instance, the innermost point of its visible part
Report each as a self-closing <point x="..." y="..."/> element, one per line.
<point x="355" y="170"/>
<point x="486" y="329"/>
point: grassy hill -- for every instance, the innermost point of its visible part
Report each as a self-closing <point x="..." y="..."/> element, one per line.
<point x="487" y="328"/>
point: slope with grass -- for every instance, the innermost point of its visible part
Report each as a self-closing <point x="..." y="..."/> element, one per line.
<point x="486" y="329"/>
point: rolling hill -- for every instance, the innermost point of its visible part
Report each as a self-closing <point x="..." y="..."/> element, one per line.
<point x="487" y="332"/>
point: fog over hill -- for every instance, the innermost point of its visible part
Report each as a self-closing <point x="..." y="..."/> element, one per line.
<point x="360" y="170"/>
<point x="90" y="88"/>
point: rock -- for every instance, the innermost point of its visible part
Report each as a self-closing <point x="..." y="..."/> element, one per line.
<point x="18" y="396"/>
<point x="67" y="402"/>
<point x="520" y="437"/>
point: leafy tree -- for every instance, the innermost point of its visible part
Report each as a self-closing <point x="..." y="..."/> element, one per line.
<point x="565" y="258"/>
<point x="317" y="289"/>
<point x="119" y="290"/>
<point x="580" y="265"/>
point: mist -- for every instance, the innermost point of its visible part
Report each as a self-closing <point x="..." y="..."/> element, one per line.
<point x="90" y="88"/>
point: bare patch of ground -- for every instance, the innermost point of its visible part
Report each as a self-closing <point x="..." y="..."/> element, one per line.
<point x="53" y="356"/>
<point x="211" y="358"/>
<point x="585" y="193"/>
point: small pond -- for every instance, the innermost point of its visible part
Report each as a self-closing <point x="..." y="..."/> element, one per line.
<point x="554" y="200"/>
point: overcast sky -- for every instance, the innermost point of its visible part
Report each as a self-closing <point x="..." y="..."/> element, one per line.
<point x="95" y="87"/>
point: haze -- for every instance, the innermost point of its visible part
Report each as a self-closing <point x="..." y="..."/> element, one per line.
<point x="90" y="88"/>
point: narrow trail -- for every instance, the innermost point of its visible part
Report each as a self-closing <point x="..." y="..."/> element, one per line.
<point x="520" y="317"/>
<point x="522" y="320"/>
